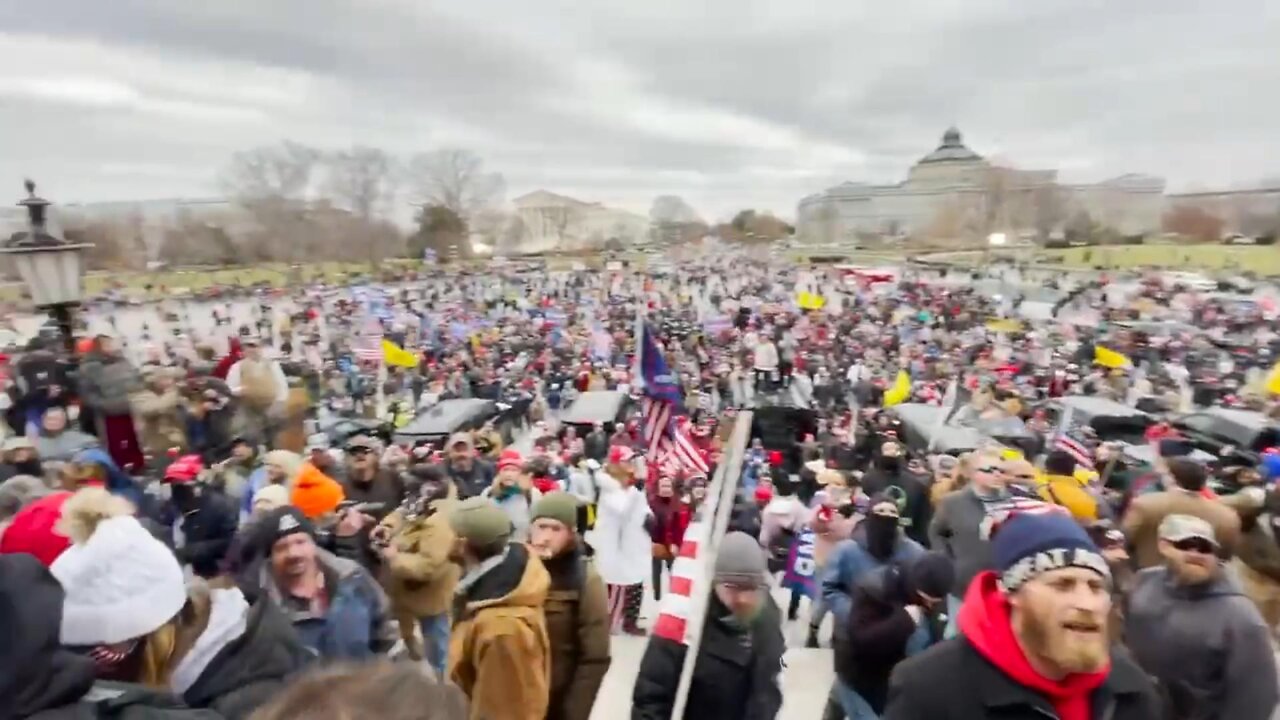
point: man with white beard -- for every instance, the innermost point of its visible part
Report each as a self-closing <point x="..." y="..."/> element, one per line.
<point x="1033" y="636"/>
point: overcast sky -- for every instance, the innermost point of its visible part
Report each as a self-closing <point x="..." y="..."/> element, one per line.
<point x="729" y="103"/>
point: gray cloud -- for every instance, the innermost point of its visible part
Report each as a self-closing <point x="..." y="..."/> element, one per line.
<point x="729" y="103"/>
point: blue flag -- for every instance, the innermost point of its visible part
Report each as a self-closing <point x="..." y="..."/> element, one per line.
<point x="659" y="383"/>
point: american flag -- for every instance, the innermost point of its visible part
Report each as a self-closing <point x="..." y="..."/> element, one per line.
<point x="1070" y="439"/>
<point x="368" y="340"/>
<point x="665" y="440"/>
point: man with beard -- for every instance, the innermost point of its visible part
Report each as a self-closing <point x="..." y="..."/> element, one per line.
<point x="336" y="607"/>
<point x="470" y="475"/>
<point x="890" y="476"/>
<point x="576" y="609"/>
<point x="1033" y="641"/>
<point x="740" y="657"/>
<point x="414" y="542"/>
<point x="1191" y="626"/>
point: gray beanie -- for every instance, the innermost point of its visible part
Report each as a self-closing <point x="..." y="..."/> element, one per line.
<point x="740" y="560"/>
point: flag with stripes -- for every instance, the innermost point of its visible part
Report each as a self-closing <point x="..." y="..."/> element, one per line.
<point x="1069" y="438"/>
<point x="676" y="608"/>
<point x="367" y="344"/>
<point x="661" y="434"/>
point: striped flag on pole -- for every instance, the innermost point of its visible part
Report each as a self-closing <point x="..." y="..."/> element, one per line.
<point x="1069" y="439"/>
<point x="367" y="344"/>
<point x="663" y="436"/>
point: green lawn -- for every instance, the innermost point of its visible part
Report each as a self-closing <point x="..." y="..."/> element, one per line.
<point x="135" y="283"/>
<point x="1259" y="259"/>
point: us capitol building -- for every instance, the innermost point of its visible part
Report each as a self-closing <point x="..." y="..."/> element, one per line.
<point x="954" y="194"/>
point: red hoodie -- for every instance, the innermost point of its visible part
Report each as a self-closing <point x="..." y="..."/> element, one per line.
<point x="984" y="621"/>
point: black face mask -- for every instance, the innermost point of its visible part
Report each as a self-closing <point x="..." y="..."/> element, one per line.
<point x="882" y="536"/>
<point x="29" y="467"/>
<point x="890" y="464"/>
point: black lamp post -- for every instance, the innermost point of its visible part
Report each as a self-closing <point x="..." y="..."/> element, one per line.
<point x="51" y="267"/>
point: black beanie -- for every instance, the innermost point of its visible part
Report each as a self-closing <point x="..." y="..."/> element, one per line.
<point x="931" y="574"/>
<point x="279" y="523"/>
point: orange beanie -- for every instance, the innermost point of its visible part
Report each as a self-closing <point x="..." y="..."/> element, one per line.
<point x="315" y="493"/>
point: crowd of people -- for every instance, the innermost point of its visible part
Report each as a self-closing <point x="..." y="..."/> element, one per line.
<point x="221" y="520"/>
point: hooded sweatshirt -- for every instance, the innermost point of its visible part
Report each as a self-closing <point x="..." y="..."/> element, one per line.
<point x="984" y="621"/>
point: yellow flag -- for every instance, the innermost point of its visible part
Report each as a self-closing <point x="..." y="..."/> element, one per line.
<point x="1273" y="380"/>
<point x="900" y="391"/>
<point x="1107" y="357"/>
<point x="393" y="354"/>
<point x="810" y="301"/>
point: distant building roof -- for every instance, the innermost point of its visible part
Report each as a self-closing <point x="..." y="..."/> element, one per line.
<point x="952" y="149"/>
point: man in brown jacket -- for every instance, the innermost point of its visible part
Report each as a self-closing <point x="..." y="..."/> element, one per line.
<point x="157" y="415"/>
<point x="415" y="541"/>
<point x="1142" y="520"/>
<point x="576" y="610"/>
<point x="499" y="653"/>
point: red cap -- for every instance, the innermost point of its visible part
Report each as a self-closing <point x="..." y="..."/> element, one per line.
<point x="32" y="530"/>
<point x="620" y="455"/>
<point x="510" y="458"/>
<point x="184" y="470"/>
<point x="775" y="458"/>
<point x="764" y="493"/>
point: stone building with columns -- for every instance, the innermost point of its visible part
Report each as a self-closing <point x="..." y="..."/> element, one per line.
<point x="953" y="194"/>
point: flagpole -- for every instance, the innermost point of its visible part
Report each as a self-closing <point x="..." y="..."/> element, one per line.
<point x="729" y="474"/>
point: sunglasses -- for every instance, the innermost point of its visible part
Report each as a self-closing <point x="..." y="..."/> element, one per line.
<point x="1195" y="545"/>
<point x="988" y="469"/>
<point x="358" y="451"/>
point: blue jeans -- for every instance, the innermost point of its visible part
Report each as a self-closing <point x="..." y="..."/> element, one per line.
<point x="435" y="641"/>
<point x="855" y="708"/>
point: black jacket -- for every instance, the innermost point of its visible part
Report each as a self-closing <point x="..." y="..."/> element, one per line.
<point x="952" y="681"/>
<point x="207" y="532"/>
<point x="875" y="639"/>
<point x="736" y="676"/>
<point x="251" y="669"/>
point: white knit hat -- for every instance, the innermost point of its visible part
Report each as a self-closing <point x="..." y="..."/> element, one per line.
<point x="121" y="584"/>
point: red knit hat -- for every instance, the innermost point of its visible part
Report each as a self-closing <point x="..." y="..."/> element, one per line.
<point x="184" y="470"/>
<point x="32" y="530"/>
<point x="510" y="458"/>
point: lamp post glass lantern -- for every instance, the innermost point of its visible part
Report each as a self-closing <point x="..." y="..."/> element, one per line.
<point x="51" y="267"/>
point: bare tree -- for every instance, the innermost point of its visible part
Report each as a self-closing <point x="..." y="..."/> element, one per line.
<point x="362" y="181"/>
<point x="1049" y="209"/>
<point x="284" y="171"/>
<point x="273" y="184"/>
<point x="456" y="179"/>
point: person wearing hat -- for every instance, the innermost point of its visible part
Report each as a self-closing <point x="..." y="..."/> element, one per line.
<point x="241" y="473"/>
<point x="739" y="659"/>
<point x="18" y="456"/>
<point x="337" y="608"/>
<point x="499" y="651"/>
<point x="878" y="541"/>
<point x="158" y="413"/>
<point x="108" y="381"/>
<point x="471" y="474"/>
<point x="1184" y="497"/>
<point x="1032" y="635"/>
<point x="620" y="537"/>
<point x="202" y="522"/>
<point x="1190" y="626"/>
<point x="128" y="609"/>
<point x="896" y="614"/>
<point x="259" y="383"/>
<point x="576" y="609"/>
<point x="513" y="492"/>
<point x="414" y="542"/>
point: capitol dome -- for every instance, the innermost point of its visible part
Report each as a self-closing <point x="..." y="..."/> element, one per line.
<point x="952" y="149"/>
